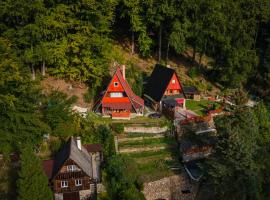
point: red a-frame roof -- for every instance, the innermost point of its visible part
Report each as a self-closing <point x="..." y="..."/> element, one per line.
<point x="135" y="100"/>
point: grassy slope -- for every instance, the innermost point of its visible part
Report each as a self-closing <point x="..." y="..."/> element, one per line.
<point x="154" y="165"/>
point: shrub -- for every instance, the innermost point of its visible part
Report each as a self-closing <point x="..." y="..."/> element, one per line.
<point x="89" y="95"/>
<point x="193" y="72"/>
<point x="209" y="87"/>
<point x="118" y="128"/>
<point x="55" y="145"/>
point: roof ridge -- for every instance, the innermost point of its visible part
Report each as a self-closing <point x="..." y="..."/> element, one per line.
<point x="129" y="92"/>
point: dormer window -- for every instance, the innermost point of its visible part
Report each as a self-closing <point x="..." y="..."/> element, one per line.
<point x="72" y="168"/>
<point x="173" y="81"/>
<point x="115" y="84"/>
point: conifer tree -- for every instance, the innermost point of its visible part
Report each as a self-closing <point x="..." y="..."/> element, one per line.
<point x="32" y="182"/>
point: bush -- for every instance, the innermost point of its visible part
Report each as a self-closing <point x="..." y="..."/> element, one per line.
<point x="193" y="72"/>
<point x="89" y="95"/>
<point x="118" y="128"/>
<point x="55" y="145"/>
<point x="209" y="87"/>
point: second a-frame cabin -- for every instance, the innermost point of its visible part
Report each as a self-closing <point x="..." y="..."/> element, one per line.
<point x="164" y="88"/>
<point x="119" y="101"/>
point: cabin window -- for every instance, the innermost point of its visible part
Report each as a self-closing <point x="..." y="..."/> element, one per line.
<point x="64" y="184"/>
<point x="173" y="81"/>
<point x="115" y="84"/>
<point x="116" y="94"/>
<point x="78" y="182"/>
<point x="72" y="168"/>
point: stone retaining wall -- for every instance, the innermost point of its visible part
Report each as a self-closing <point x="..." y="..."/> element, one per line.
<point x="170" y="188"/>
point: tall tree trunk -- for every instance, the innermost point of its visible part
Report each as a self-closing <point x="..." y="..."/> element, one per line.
<point x="194" y="54"/>
<point x="43" y="68"/>
<point x="200" y="60"/>
<point x="132" y="45"/>
<point x="33" y="72"/>
<point x="167" y="53"/>
<point x="159" y="43"/>
<point x="256" y="35"/>
<point x="203" y="52"/>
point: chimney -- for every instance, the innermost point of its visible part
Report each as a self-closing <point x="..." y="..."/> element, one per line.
<point x="124" y="71"/>
<point x="79" y="143"/>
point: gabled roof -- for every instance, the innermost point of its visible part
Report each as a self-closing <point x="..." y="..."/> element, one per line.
<point x="70" y="151"/>
<point x="190" y="90"/>
<point x="158" y="82"/>
<point x="92" y="148"/>
<point x="135" y="100"/>
<point x="48" y="167"/>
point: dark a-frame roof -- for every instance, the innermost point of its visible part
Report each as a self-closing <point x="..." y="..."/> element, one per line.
<point x="158" y="82"/>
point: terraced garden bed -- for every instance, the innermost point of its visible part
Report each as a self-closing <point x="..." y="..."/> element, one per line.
<point x="147" y="141"/>
<point x="155" y="157"/>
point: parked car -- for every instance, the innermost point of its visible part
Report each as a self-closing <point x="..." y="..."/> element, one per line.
<point x="155" y="115"/>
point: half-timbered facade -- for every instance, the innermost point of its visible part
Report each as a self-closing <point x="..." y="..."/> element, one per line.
<point x="73" y="172"/>
<point x="119" y="101"/>
<point x="164" y="89"/>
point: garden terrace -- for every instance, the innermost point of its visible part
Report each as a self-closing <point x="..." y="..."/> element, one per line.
<point x="155" y="154"/>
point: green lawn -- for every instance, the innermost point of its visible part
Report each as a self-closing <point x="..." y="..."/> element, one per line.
<point x="148" y="142"/>
<point x="155" y="170"/>
<point x="200" y="106"/>
<point x="133" y="135"/>
<point x="154" y="165"/>
<point x="159" y="153"/>
<point x="145" y="121"/>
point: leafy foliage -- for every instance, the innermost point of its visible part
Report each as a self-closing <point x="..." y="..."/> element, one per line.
<point x="102" y="135"/>
<point x="122" y="179"/>
<point x="21" y="119"/>
<point x="237" y="169"/>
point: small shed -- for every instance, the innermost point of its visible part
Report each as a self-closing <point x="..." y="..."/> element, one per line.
<point x="192" y="92"/>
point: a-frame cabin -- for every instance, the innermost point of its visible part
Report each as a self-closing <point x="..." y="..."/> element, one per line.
<point x="119" y="101"/>
<point x="164" y="88"/>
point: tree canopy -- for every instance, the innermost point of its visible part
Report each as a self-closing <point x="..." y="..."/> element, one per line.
<point x="238" y="167"/>
<point x="32" y="182"/>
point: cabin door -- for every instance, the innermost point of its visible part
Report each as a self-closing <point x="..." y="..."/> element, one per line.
<point x="71" y="196"/>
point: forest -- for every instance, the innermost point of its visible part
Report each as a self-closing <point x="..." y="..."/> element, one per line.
<point x="74" y="40"/>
